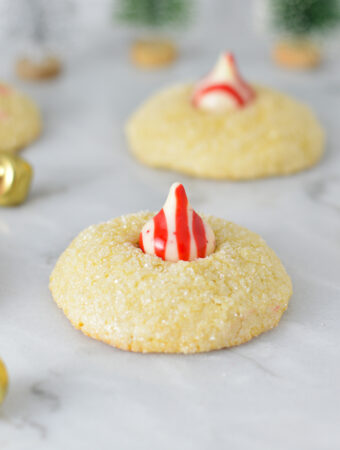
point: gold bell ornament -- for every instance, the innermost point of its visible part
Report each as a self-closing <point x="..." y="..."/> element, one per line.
<point x="15" y="179"/>
<point x="3" y="381"/>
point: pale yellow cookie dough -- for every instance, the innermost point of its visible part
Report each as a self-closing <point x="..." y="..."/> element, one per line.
<point x="20" y="121"/>
<point x="274" y="135"/>
<point x="113" y="292"/>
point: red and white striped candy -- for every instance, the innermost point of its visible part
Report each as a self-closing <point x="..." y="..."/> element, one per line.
<point x="177" y="232"/>
<point x="223" y="89"/>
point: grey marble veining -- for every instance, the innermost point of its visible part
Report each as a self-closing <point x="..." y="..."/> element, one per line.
<point x="280" y="391"/>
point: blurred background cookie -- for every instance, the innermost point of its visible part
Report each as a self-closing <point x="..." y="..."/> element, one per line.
<point x="153" y="53"/>
<point x="295" y="55"/>
<point x="48" y="67"/>
<point x="20" y="120"/>
<point x="224" y="128"/>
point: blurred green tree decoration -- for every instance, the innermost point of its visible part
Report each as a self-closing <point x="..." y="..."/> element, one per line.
<point x="301" y="17"/>
<point x="153" y="13"/>
<point x="152" y="17"/>
<point x="300" y="22"/>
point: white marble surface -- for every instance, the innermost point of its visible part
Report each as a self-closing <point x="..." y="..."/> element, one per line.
<point x="280" y="391"/>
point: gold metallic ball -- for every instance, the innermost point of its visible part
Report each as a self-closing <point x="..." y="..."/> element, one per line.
<point x="3" y="381"/>
<point x="15" y="179"/>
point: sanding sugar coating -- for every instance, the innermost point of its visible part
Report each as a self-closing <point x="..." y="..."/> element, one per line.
<point x="114" y="292"/>
<point x="273" y="135"/>
<point x="20" y="121"/>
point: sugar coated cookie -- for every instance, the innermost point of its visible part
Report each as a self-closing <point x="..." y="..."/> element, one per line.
<point x="225" y="129"/>
<point x="20" y="121"/>
<point x="115" y="291"/>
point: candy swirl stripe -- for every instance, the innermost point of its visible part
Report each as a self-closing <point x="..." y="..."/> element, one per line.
<point x="182" y="225"/>
<point x="219" y="87"/>
<point x="160" y="233"/>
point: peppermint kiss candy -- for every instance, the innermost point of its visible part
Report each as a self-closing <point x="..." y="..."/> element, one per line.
<point x="223" y="89"/>
<point x="177" y="232"/>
